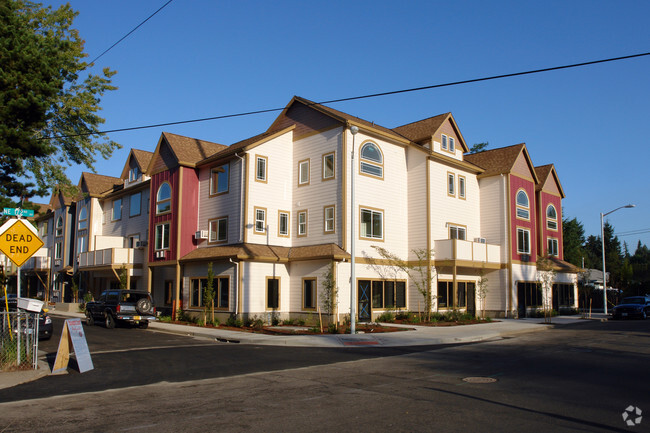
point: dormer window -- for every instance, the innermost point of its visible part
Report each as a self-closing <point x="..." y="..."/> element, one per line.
<point x="372" y="160"/>
<point x="134" y="174"/>
<point x="523" y="205"/>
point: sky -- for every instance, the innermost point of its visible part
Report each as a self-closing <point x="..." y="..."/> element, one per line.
<point x="205" y="58"/>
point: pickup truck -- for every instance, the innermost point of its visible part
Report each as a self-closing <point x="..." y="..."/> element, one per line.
<point x="128" y="306"/>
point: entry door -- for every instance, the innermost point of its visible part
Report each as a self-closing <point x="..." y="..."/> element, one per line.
<point x="521" y="300"/>
<point x="363" y="301"/>
<point x="471" y="299"/>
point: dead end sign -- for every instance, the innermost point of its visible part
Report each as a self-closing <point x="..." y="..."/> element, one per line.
<point x="19" y="240"/>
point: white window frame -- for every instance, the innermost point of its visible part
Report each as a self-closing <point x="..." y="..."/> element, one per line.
<point x="523" y="244"/>
<point x="327" y="174"/>
<point x="134" y="173"/>
<point x="304" y="172"/>
<point x="457" y="232"/>
<point x="551" y="222"/>
<point x="373" y="213"/>
<point x="220" y="233"/>
<point x="443" y="141"/>
<point x="220" y="180"/>
<point x="329" y="219"/>
<point x="303" y="221"/>
<point x="159" y="240"/>
<point x="261" y="168"/>
<point x="284" y="216"/>
<point x="553" y="247"/>
<point x="165" y="201"/>
<point x="373" y="167"/>
<point x="58" y="230"/>
<point x="260" y="220"/>
<point x="451" y="184"/>
<point x="462" y="187"/>
<point x="452" y="144"/>
<point x="523" y="210"/>
<point x="83" y="218"/>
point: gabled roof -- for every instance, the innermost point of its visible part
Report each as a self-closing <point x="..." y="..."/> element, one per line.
<point x="141" y="157"/>
<point x="246" y="144"/>
<point x="343" y="118"/>
<point x="501" y="160"/>
<point x="60" y="196"/>
<point x="186" y="150"/>
<point x="562" y="266"/>
<point x="267" y="253"/>
<point x="426" y="128"/>
<point x="97" y="184"/>
<point x="545" y="172"/>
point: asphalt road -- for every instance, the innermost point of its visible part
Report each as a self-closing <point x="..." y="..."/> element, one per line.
<point x="572" y="378"/>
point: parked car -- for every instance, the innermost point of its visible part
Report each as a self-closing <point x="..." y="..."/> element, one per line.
<point x="127" y="306"/>
<point x="632" y="306"/>
<point x="45" y="326"/>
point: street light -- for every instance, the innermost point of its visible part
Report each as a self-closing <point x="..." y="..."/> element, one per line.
<point x="602" y="238"/>
<point x="354" y="130"/>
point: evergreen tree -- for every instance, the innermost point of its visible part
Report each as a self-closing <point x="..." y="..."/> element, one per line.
<point x="48" y="112"/>
<point x="573" y="239"/>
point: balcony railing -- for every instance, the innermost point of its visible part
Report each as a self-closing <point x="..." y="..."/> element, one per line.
<point x="37" y="263"/>
<point x="111" y="256"/>
<point x="467" y="251"/>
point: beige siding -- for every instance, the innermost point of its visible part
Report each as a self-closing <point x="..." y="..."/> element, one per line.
<point x="493" y="215"/>
<point x="254" y="277"/>
<point x="417" y="203"/>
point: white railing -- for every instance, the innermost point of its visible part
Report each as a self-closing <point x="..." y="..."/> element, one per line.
<point x="455" y="249"/>
<point x="36" y="262"/>
<point x="111" y="256"/>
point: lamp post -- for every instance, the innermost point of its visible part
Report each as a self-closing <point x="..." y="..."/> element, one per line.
<point x="354" y="130"/>
<point x="602" y="238"/>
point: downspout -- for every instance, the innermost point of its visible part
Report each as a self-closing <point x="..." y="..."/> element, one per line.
<point x="241" y="199"/>
<point x="507" y="242"/>
<point x="236" y="278"/>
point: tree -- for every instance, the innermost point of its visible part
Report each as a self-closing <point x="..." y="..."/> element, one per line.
<point x="479" y="147"/>
<point x="48" y="113"/>
<point x="573" y="239"/>
<point x="482" y="290"/>
<point x="209" y="294"/>
<point x="545" y="276"/>
<point x="329" y="296"/>
<point x="421" y="273"/>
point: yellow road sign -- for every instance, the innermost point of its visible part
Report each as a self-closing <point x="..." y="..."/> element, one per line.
<point x="19" y="241"/>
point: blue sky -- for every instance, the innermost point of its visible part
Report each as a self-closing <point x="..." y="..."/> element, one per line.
<point x="203" y="58"/>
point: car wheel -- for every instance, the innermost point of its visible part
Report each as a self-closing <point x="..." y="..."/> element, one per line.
<point x="110" y="321"/>
<point x="143" y="305"/>
<point x="90" y="320"/>
<point x="143" y="325"/>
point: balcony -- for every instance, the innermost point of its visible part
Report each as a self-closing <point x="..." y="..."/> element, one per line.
<point x="37" y="263"/>
<point x="111" y="257"/>
<point x="455" y="252"/>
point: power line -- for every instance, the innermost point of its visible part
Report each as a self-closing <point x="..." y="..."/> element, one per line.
<point x="633" y="232"/>
<point x="352" y="98"/>
<point x="129" y="33"/>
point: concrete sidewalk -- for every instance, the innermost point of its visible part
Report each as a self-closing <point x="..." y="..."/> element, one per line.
<point x="414" y="336"/>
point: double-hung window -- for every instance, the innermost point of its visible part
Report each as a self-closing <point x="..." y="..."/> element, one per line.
<point x="303" y="173"/>
<point x="117" y="210"/>
<point x="461" y="187"/>
<point x="302" y="223"/>
<point x="372" y="224"/>
<point x="218" y="229"/>
<point x="219" y="179"/>
<point x="83" y="218"/>
<point x="552" y="247"/>
<point x="451" y="184"/>
<point x="135" y="201"/>
<point x="523" y="241"/>
<point x="260" y="168"/>
<point x="452" y="144"/>
<point x="443" y="142"/>
<point x="329" y="216"/>
<point x="134" y="173"/>
<point x="59" y="227"/>
<point x="260" y="220"/>
<point x="283" y="223"/>
<point x="328" y="166"/>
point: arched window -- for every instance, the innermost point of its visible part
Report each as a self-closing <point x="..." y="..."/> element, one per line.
<point x="551" y="217"/>
<point x="59" y="226"/>
<point x="372" y="161"/>
<point x="164" y="198"/>
<point x="83" y="218"/>
<point x="523" y="206"/>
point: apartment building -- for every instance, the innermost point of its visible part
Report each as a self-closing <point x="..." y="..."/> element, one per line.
<point x="273" y="217"/>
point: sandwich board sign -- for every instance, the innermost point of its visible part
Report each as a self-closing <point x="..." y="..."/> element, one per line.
<point x="72" y="337"/>
<point x="19" y="240"/>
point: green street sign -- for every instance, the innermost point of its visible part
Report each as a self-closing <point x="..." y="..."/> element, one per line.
<point x="11" y="211"/>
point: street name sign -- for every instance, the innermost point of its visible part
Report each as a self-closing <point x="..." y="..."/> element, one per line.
<point x="16" y="211"/>
<point x="19" y="241"/>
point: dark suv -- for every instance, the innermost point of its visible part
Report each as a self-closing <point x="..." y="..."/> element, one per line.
<point x="632" y="306"/>
<point x="128" y="306"/>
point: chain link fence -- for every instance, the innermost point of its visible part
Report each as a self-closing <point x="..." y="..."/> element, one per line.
<point x="18" y="340"/>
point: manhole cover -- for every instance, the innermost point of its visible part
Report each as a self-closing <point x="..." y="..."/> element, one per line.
<point x="479" y="379"/>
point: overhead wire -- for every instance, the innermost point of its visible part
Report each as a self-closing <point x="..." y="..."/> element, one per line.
<point x="130" y="32"/>
<point x="353" y="98"/>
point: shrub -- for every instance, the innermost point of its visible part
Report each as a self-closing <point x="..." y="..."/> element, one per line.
<point x="287" y="322"/>
<point x="387" y="316"/>
<point x="234" y="322"/>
